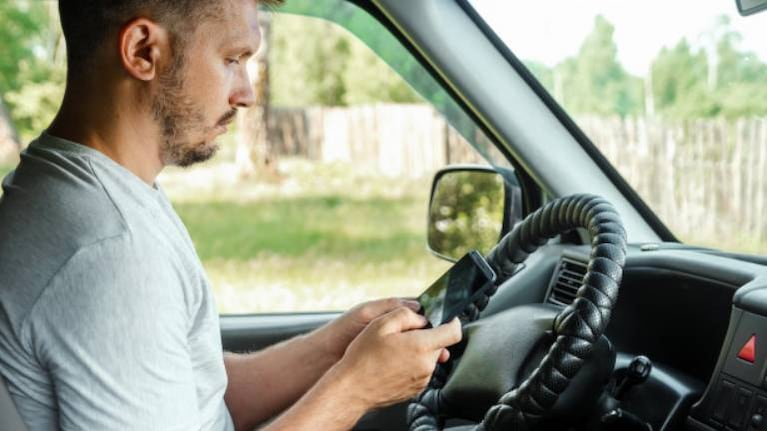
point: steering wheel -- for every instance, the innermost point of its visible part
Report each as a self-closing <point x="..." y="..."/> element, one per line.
<point x="535" y="365"/>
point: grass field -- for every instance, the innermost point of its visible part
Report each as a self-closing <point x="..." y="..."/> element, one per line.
<point x="322" y="237"/>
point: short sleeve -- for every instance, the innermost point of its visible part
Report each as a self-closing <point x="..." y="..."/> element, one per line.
<point x="111" y="328"/>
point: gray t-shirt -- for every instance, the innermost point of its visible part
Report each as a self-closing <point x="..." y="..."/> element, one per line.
<point x="107" y="320"/>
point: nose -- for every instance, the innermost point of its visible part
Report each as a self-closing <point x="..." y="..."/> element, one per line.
<point x="243" y="94"/>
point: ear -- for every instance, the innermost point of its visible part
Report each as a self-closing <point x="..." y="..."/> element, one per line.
<point x="143" y="43"/>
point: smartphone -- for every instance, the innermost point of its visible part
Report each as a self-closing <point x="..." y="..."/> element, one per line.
<point x="458" y="287"/>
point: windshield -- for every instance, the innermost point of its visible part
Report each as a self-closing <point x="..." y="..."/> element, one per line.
<point x="674" y="94"/>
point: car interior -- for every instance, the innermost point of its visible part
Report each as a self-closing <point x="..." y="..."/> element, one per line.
<point x="601" y="319"/>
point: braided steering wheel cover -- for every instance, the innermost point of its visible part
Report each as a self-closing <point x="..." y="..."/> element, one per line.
<point x="577" y="327"/>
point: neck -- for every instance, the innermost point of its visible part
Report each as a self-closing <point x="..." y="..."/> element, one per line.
<point x="114" y="121"/>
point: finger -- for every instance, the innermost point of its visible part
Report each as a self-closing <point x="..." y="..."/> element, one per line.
<point x="400" y="320"/>
<point x="444" y="355"/>
<point x="444" y="335"/>
<point x="411" y="304"/>
<point x="374" y="309"/>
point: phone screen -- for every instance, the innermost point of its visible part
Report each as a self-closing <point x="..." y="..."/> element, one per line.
<point x="448" y="296"/>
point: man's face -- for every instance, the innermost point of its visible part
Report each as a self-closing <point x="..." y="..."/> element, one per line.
<point x="198" y="96"/>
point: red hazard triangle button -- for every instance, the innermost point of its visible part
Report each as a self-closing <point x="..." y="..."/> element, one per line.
<point x="748" y="352"/>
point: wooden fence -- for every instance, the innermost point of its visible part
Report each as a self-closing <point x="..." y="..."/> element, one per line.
<point x="704" y="178"/>
<point x="394" y="140"/>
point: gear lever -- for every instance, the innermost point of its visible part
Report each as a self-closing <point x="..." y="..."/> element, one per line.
<point x="638" y="371"/>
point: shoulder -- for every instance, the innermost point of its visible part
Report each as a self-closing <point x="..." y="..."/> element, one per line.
<point x="111" y="287"/>
<point x="52" y="205"/>
<point x="54" y="188"/>
<point x="55" y="199"/>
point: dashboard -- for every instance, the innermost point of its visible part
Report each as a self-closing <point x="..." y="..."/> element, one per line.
<point x="690" y="312"/>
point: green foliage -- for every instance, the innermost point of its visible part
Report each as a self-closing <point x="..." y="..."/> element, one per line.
<point x="741" y="84"/>
<point x="22" y="29"/>
<point x="370" y="80"/>
<point x="724" y="82"/>
<point x="34" y="105"/>
<point x="31" y="74"/>
<point x="685" y="83"/>
<point x="315" y="62"/>
<point x="307" y="60"/>
<point x="679" y="83"/>
<point x="594" y="81"/>
<point x="466" y="213"/>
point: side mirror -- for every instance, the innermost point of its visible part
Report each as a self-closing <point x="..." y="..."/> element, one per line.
<point x="471" y="207"/>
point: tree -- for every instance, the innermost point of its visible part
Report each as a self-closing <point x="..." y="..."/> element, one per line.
<point x="32" y="69"/>
<point x="741" y="77"/>
<point x="310" y="56"/>
<point x="321" y="63"/>
<point x="680" y="83"/>
<point x="367" y="79"/>
<point x="594" y="82"/>
<point x="719" y="79"/>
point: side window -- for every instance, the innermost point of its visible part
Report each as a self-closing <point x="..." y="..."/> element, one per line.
<point x="326" y="182"/>
<point x="331" y="207"/>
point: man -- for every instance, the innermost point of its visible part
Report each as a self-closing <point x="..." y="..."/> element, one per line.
<point x="106" y="317"/>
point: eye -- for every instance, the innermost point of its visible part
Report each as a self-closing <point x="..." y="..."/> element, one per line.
<point x="232" y="61"/>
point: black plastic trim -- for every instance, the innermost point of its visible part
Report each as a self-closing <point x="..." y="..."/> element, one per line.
<point x="623" y="186"/>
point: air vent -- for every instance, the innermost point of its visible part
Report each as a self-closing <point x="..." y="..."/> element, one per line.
<point x="566" y="281"/>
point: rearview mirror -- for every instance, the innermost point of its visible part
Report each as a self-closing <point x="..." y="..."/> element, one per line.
<point x="470" y="208"/>
<point x="750" y="7"/>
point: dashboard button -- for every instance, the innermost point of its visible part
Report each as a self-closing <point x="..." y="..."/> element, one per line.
<point x="738" y="410"/>
<point x="722" y="400"/>
<point x="756" y="421"/>
<point x="748" y="351"/>
<point x="759" y="412"/>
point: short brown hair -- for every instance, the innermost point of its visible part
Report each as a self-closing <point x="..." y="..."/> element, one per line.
<point x="87" y="23"/>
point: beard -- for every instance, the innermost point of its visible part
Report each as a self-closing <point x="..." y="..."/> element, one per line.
<point x="180" y="119"/>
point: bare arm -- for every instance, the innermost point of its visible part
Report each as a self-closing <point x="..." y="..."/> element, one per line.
<point x="265" y="383"/>
<point x="328" y="406"/>
<point x="389" y="362"/>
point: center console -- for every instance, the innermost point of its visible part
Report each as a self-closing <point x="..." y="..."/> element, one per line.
<point x="736" y="397"/>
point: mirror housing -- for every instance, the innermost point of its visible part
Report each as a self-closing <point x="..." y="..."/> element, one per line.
<point x="471" y="208"/>
<point x="750" y="7"/>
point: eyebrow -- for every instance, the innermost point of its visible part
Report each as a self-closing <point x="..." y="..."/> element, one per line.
<point x="243" y="49"/>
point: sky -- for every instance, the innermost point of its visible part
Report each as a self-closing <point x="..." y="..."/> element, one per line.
<point x="551" y="30"/>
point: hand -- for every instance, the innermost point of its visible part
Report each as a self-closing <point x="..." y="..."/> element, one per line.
<point x="392" y="359"/>
<point x="340" y="332"/>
